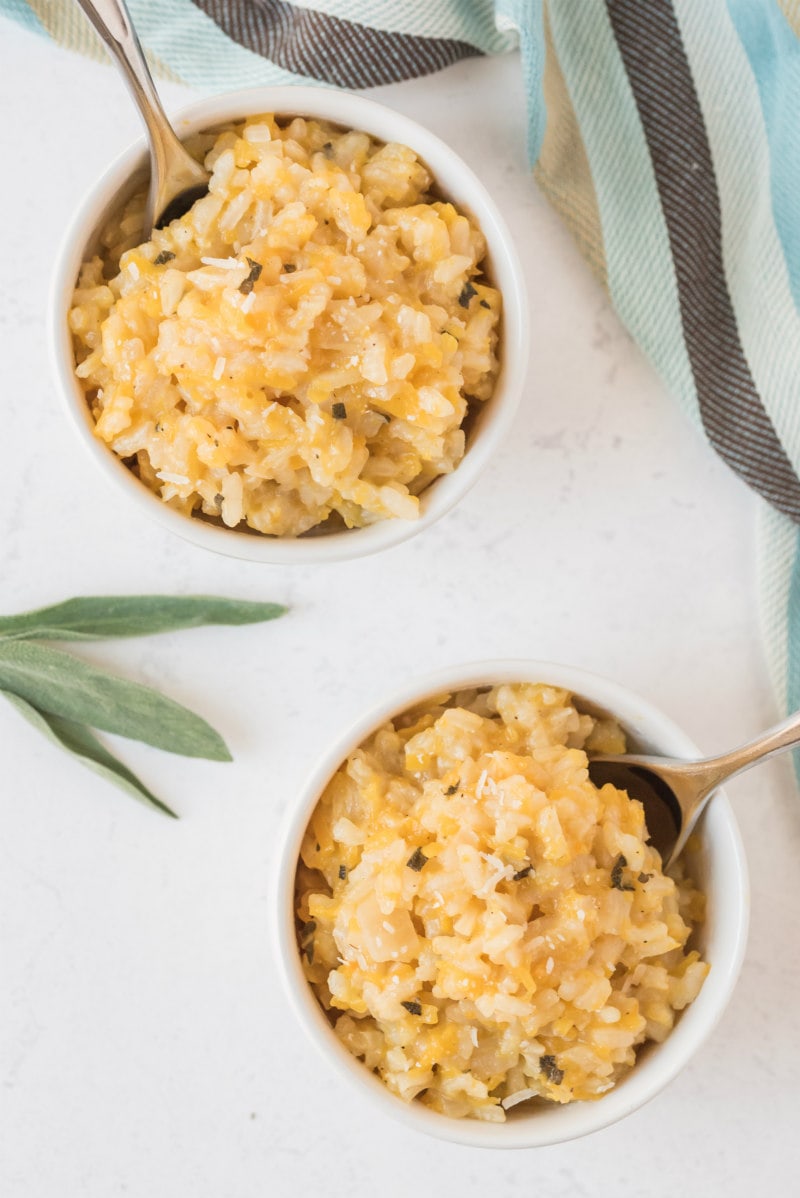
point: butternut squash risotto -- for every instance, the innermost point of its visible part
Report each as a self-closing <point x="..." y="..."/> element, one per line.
<point x="303" y="347"/>
<point x="483" y="926"/>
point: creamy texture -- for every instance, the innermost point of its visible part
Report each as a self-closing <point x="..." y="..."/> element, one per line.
<point x="483" y="925"/>
<point x="303" y="346"/>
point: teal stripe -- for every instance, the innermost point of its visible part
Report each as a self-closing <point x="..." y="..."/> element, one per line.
<point x="18" y="11"/>
<point x="641" y="275"/>
<point x="197" y="50"/>
<point x="774" y="53"/>
<point x="526" y="17"/>
<point x="187" y="42"/>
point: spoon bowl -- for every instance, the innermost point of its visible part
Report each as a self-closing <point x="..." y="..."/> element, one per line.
<point x="662" y="811"/>
<point x="674" y="793"/>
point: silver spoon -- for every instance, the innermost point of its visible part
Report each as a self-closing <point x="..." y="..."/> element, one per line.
<point x="674" y="793"/>
<point x="176" y="180"/>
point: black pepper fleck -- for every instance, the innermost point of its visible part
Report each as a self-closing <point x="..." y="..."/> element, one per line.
<point x="162" y="258"/>
<point x="413" y="1008"/>
<point x="342" y="872"/>
<point x="339" y="411"/>
<point x="523" y="873"/>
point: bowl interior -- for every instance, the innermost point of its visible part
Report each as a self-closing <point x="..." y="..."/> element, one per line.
<point x="717" y="865"/>
<point x="453" y="179"/>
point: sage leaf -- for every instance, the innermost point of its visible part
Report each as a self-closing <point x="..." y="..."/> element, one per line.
<point x="95" y="617"/>
<point x="81" y="743"/>
<point x="63" y="685"/>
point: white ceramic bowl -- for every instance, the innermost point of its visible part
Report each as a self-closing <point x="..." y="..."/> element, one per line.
<point x="719" y="868"/>
<point x="454" y="179"/>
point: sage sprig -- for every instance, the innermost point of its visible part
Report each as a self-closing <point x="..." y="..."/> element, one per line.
<point x="56" y="682"/>
<point x="94" y="618"/>
<point x="81" y="742"/>
<point x="64" y="696"/>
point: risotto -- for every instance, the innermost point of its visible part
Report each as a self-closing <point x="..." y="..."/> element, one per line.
<point x="483" y="926"/>
<point x="304" y="346"/>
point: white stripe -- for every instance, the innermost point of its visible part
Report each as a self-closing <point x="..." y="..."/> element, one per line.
<point x="758" y="279"/>
<point x="776" y="551"/>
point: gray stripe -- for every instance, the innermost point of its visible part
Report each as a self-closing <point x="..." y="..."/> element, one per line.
<point x="732" y="412"/>
<point x="331" y="49"/>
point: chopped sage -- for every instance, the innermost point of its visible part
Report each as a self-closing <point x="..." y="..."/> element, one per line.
<point x="417" y="860"/>
<point x="523" y="873"/>
<point x="550" y="1069"/>
<point x="162" y="258"/>
<point x="616" y="874"/>
<point x="247" y="285"/>
<point x="339" y="411"/>
<point x="467" y="292"/>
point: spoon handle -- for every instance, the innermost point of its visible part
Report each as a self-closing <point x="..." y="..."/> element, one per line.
<point x="173" y="171"/>
<point x="783" y="736"/>
<point x="112" y="21"/>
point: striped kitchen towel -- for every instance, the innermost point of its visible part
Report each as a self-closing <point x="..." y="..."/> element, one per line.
<point x="667" y="135"/>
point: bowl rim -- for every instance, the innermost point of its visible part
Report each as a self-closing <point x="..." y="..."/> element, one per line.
<point x="495" y="419"/>
<point x="723" y="845"/>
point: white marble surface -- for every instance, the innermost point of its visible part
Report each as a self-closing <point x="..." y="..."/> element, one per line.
<point x="146" y="1047"/>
